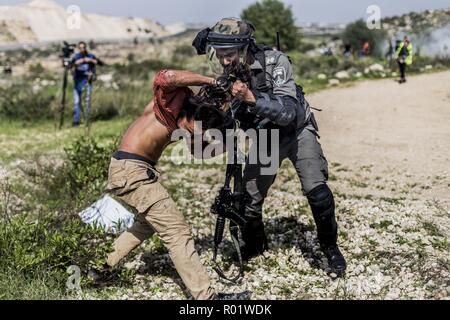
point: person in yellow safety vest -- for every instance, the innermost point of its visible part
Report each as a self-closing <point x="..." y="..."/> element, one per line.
<point x="404" y="57"/>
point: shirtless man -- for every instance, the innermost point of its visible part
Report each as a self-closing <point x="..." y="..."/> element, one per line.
<point x="134" y="179"/>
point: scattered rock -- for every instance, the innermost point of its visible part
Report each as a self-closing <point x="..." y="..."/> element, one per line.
<point x="333" y="82"/>
<point x="376" y="68"/>
<point x="108" y="77"/>
<point x="342" y="75"/>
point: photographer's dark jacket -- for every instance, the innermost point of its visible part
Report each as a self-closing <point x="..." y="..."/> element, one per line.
<point x="278" y="98"/>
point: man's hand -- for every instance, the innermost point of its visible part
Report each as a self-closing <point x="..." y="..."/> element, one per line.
<point x="90" y="60"/>
<point x="85" y="60"/>
<point x="241" y="91"/>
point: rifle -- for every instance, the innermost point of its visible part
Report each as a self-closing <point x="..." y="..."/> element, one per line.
<point x="229" y="205"/>
<point x="67" y="51"/>
<point x="278" y="41"/>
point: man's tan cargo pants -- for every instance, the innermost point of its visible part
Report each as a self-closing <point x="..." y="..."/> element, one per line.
<point x="136" y="183"/>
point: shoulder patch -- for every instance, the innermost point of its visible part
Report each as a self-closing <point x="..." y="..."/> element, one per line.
<point x="279" y="76"/>
<point x="270" y="60"/>
<point x="272" y="56"/>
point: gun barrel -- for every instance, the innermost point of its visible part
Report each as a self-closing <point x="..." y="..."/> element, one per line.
<point x="278" y="41"/>
<point x="220" y="228"/>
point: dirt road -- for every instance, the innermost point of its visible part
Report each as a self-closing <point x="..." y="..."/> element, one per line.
<point x="399" y="132"/>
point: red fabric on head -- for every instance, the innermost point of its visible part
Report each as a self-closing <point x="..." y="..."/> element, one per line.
<point x="169" y="100"/>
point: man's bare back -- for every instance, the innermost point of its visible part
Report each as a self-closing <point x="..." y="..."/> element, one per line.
<point x="147" y="136"/>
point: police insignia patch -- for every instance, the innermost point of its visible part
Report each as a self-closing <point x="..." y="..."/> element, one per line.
<point x="279" y="76"/>
<point x="270" y="60"/>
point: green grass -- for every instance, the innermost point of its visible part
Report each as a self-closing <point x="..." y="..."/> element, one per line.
<point x="313" y="85"/>
<point x="19" y="141"/>
<point x="432" y="229"/>
<point x="441" y="244"/>
<point x="393" y="200"/>
<point x="401" y="240"/>
<point x="381" y="225"/>
<point x="38" y="286"/>
<point x="357" y="183"/>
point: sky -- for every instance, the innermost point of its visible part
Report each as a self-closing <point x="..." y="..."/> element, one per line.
<point x="209" y="11"/>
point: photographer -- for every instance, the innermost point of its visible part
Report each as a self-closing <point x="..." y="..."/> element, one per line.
<point x="404" y="54"/>
<point x="84" y="64"/>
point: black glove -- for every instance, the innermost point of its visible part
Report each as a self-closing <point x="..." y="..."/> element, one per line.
<point x="221" y="89"/>
<point x="224" y="83"/>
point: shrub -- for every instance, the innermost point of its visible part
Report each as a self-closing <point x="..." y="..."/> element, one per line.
<point x="21" y="102"/>
<point x="127" y="100"/>
<point x="142" y="70"/>
<point x="270" y="16"/>
<point x="76" y="183"/>
<point x="39" y="251"/>
<point x="87" y="168"/>
<point x="37" y="246"/>
<point x="357" y="33"/>
<point x="36" y="69"/>
<point x="184" y="50"/>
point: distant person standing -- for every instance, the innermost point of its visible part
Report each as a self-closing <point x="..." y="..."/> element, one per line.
<point x="390" y="52"/>
<point x="404" y="57"/>
<point x="347" y="50"/>
<point x="85" y="64"/>
<point x="365" y="50"/>
<point x="328" y="52"/>
<point x="7" y="68"/>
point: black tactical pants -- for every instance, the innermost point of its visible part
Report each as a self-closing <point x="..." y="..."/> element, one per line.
<point x="303" y="149"/>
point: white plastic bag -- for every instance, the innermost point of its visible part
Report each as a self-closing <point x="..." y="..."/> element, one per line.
<point x="108" y="214"/>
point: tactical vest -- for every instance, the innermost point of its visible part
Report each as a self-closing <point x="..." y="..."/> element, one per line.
<point x="260" y="83"/>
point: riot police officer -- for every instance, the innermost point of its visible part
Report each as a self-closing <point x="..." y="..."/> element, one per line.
<point x="274" y="101"/>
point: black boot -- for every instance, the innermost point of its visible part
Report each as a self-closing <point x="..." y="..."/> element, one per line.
<point x="322" y="205"/>
<point x="254" y="238"/>
<point x="336" y="260"/>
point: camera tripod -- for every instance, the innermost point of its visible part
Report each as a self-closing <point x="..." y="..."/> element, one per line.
<point x="67" y="51"/>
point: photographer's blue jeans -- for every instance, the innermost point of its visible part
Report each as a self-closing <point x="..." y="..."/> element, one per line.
<point x="77" y="96"/>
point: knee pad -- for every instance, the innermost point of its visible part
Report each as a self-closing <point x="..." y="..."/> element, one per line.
<point x="321" y="201"/>
<point x="322" y="205"/>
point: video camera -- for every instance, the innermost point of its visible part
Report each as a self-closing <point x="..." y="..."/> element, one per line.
<point x="67" y="52"/>
<point x="220" y="94"/>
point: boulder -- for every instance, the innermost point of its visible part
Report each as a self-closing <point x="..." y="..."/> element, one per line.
<point x="333" y="82"/>
<point x="342" y="75"/>
<point x="376" y="68"/>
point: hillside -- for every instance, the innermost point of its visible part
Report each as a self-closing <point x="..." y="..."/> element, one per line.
<point x="47" y="21"/>
<point x="429" y="30"/>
